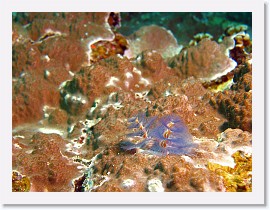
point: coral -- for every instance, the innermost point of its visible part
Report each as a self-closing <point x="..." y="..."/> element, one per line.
<point x="152" y="38"/>
<point x="243" y="47"/>
<point x="128" y="183"/>
<point x="236" y="103"/>
<point x="207" y="60"/>
<point x="114" y="20"/>
<point x="189" y="101"/>
<point x="243" y="43"/>
<point x="44" y="52"/>
<point x="176" y="173"/>
<point x="59" y="52"/>
<point x="25" y="57"/>
<point x="153" y="65"/>
<point x="199" y="37"/>
<point x="137" y="173"/>
<point x="238" y="79"/>
<point x="155" y="185"/>
<point x="105" y="49"/>
<point x="29" y="95"/>
<point x="75" y="24"/>
<point x="47" y="62"/>
<point x="58" y="39"/>
<point x="20" y="183"/>
<point x="220" y="84"/>
<point x="239" y="178"/>
<point x="42" y="159"/>
<point x="232" y="30"/>
<point x="58" y="117"/>
<point x="71" y="114"/>
<point x="194" y="180"/>
<point x="237" y="109"/>
<point x="229" y="142"/>
<point x="243" y="77"/>
<point x="116" y="74"/>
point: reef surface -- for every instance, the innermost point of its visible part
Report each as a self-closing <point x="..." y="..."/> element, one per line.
<point x="100" y="104"/>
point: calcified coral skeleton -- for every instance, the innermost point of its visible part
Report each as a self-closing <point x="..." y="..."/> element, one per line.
<point x="159" y="136"/>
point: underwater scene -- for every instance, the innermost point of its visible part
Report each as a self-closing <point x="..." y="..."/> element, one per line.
<point x="132" y="102"/>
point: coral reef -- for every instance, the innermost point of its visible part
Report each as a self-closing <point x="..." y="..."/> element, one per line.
<point x="99" y="110"/>
<point x="207" y="60"/>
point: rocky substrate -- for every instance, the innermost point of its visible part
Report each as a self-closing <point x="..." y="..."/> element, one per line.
<point x="72" y="103"/>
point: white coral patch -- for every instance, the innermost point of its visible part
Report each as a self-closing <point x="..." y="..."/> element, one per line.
<point x="167" y="93"/>
<point x="45" y="57"/>
<point x="144" y="81"/>
<point x="137" y="71"/>
<point x="232" y="65"/>
<point x="141" y="95"/>
<point x="71" y="73"/>
<point x="128" y="183"/>
<point x="155" y="185"/>
<point x="129" y="75"/>
<point x="50" y="31"/>
<point x="119" y="56"/>
<point x="17" y="146"/>
<point x="18" y="136"/>
<point x="112" y="82"/>
<point x="126" y="84"/>
<point x="50" y="131"/>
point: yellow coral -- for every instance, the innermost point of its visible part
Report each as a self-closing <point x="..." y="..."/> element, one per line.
<point x="221" y="86"/>
<point x="20" y="183"/>
<point x="239" y="178"/>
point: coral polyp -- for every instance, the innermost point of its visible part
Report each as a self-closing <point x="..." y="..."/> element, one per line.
<point x="159" y="136"/>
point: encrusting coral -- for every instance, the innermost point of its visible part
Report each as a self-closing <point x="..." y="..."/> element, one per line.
<point x="20" y="183"/>
<point x="95" y="110"/>
<point x="206" y="60"/>
<point x="237" y="179"/>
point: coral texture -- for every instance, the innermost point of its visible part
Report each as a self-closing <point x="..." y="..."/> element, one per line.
<point x="41" y="158"/>
<point x="149" y="38"/>
<point x="20" y="183"/>
<point x="97" y="110"/>
<point x="207" y="60"/>
<point x="236" y="103"/>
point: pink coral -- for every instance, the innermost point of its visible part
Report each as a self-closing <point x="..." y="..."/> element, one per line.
<point x="152" y="38"/>
<point x="207" y="60"/>
<point x="42" y="159"/>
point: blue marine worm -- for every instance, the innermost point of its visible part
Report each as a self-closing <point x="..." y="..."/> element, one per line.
<point x="159" y="136"/>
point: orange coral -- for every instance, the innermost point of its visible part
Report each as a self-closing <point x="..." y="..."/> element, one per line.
<point x="239" y="178"/>
<point x="105" y="49"/>
<point x="20" y="183"/>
